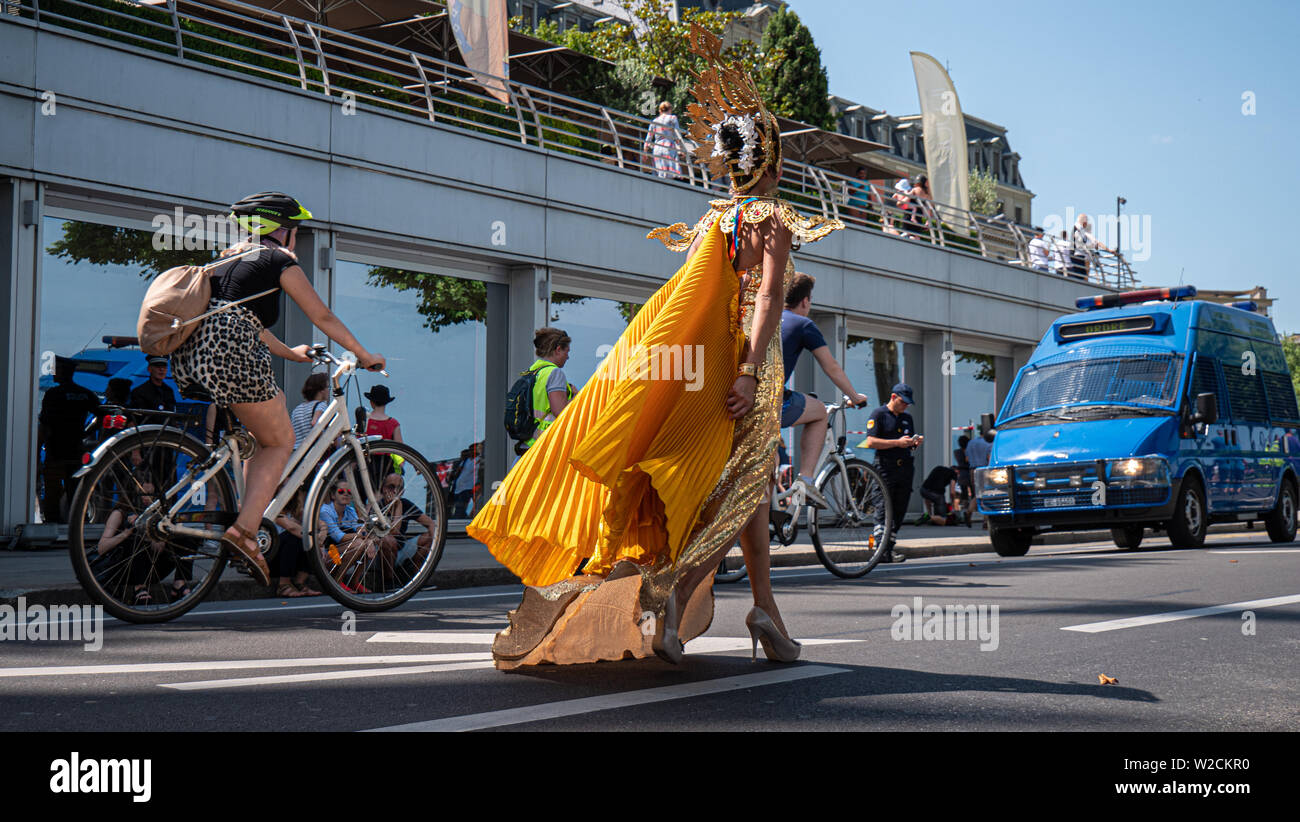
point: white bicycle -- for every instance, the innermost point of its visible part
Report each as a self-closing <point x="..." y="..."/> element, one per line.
<point x="844" y="534"/>
<point x="175" y="497"/>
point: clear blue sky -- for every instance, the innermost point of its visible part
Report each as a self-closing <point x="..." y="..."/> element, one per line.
<point x="1105" y="98"/>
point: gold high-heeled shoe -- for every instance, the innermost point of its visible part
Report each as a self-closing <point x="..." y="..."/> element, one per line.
<point x="666" y="644"/>
<point x="776" y="646"/>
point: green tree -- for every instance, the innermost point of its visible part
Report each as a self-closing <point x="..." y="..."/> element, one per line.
<point x="655" y="46"/>
<point x="986" y="370"/>
<point x="793" y="79"/>
<point x="983" y="191"/>
<point x="1291" y="348"/>
<point x="98" y="244"/>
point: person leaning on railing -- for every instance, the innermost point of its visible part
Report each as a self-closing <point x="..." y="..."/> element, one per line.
<point x="1081" y="244"/>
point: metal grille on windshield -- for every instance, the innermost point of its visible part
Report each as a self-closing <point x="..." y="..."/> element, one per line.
<point x="1120" y="374"/>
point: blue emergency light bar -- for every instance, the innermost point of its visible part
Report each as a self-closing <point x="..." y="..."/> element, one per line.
<point x="1245" y="305"/>
<point x="1182" y="292"/>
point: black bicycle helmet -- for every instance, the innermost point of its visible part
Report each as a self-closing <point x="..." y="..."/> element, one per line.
<point x="266" y="211"/>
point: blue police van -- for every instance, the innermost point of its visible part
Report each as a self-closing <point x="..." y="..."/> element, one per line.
<point x="1150" y="409"/>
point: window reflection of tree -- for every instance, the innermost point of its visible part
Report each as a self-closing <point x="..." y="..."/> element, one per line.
<point x="100" y="244"/>
<point x="626" y="310"/>
<point x="884" y="357"/>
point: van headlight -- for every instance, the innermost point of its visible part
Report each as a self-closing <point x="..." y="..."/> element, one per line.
<point x="992" y="481"/>
<point x="1139" y="472"/>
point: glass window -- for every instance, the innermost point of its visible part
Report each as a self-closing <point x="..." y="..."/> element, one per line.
<point x="874" y="366"/>
<point x="433" y="330"/>
<point x="93" y="278"/>
<point x="974" y="392"/>
<point x="594" y="325"/>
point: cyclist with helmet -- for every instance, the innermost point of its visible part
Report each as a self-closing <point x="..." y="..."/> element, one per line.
<point x="229" y="356"/>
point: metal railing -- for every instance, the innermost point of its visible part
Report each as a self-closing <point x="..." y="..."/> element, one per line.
<point x="355" y="70"/>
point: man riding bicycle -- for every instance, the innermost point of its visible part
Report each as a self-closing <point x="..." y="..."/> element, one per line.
<point x="798" y="333"/>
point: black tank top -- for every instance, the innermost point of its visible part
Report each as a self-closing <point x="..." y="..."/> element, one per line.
<point x="251" y="275"/>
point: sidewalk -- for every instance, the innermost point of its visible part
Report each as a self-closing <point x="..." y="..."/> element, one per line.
<point x="46" y="576"/>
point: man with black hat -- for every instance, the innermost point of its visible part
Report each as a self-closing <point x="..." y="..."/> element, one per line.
<point x="892" y="434"/>
<point x="154" y="394"/>
<point x="61" y="429"/>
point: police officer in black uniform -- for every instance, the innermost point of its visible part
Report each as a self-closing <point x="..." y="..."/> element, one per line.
<point x="62" y="428"/>
<point x="892" y="434"/>
<point x="155" y="394"/>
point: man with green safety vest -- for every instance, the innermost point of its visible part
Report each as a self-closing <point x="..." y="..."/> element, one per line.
<point x="551" y="389"/>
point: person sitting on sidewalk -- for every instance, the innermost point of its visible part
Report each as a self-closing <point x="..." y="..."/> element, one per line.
<point x="935" y="493"/>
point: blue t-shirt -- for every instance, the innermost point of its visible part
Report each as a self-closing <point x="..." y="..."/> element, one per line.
<point x="798" y="333"/>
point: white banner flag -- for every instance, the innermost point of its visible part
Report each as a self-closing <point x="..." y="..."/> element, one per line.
<point x="480" y="29"/>
<point x="945" y="137"/>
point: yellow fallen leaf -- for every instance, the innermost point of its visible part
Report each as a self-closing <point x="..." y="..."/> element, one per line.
<point x="1107" y="680"/>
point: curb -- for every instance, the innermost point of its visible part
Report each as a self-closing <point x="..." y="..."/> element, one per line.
<point x="243" y="588"/>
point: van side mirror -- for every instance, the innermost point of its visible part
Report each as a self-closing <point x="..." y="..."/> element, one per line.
<point x="986" y="423"/>
<point x="1207" y="409"/>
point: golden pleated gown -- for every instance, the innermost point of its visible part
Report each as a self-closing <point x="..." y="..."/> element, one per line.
<point x="647" y="470"/>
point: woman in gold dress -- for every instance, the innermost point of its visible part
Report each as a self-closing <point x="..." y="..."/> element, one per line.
<point x="649" y="476"/>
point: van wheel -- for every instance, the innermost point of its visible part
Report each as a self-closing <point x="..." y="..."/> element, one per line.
<point x="1129" y="537"/>
<point x="1280" y="522"/>
<point x="1189" y="522"/>
<point x="1011" y="542"/>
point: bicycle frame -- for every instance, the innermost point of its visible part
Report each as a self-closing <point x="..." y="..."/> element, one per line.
<point x="834" y="451"/>
<point x="332" y="424"/>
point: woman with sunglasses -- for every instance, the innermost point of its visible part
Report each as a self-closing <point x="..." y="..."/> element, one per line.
<point x="344" y="545"/>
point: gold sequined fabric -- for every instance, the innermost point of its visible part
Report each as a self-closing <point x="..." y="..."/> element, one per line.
<point x="744" y="479"/>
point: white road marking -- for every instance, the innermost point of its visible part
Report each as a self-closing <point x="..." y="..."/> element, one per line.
<point x="484" y="661"/>
<point x="574" y="707"/>
<point x="434" y="637"/>
<point x="703" y="644"/>
<point x="1259" y="551"/>
<point x="1174" y="616"/>
<point x="232" y="665"/>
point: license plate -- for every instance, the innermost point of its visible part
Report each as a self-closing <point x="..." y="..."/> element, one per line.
<point x="1058" y="502"/>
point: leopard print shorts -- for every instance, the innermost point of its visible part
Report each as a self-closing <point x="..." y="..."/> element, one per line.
<point x="227" y="358"/>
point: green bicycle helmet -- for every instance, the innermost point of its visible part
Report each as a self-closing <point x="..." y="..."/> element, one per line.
<point x="262" y="213"/>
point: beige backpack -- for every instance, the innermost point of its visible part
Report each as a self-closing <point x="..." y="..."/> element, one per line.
<point x="176" y="303"/>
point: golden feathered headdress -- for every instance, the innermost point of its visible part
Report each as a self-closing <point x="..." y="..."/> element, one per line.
<point x="727" y="97"/>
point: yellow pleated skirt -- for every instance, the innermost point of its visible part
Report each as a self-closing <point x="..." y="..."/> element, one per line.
<point x="625" y="470"/>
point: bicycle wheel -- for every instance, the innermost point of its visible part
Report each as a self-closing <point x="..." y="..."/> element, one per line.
<point x="843" y="535"/>
<point x="732" y="567"/>
<point x="130" y="578"/>
<point x="375" y="567"/>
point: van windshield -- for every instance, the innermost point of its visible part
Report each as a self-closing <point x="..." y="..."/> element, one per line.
<point x="1098" y="382"/>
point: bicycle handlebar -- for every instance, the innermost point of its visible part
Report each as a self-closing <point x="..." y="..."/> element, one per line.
<point x="321" y="355"/>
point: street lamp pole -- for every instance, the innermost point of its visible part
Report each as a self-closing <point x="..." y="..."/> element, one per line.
<point x="1119" y="226"/>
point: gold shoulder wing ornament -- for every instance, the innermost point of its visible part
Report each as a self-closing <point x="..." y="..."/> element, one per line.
<point x="677" y="237"/>
<point x="805" y="229"/>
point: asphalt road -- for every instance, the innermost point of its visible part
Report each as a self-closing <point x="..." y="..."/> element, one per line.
<point x="290" y="665"/>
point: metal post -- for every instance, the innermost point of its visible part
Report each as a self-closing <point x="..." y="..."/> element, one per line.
<point x="320" y="57"/>
<point x="297" y="51"/>
<point x="528" y="98"/>
<point x="428" y="97"/>
<point x="1119" y="226"/>
<point x="176" y="26"/>
<point x="613" y="134"/>
<point x="519" y="116"/>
